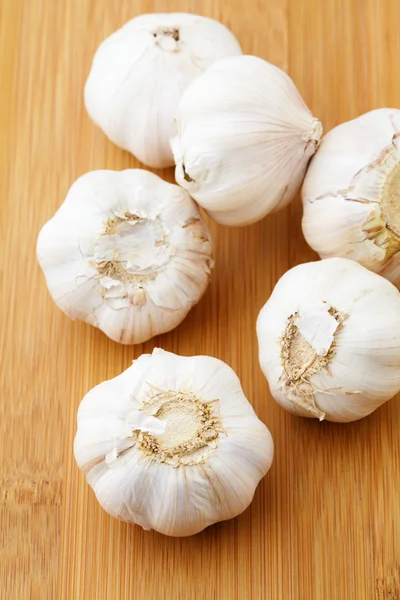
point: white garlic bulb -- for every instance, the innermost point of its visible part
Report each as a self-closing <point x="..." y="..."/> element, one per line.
<point x="126" y="252"/>
<point x="329" y="340"/>
<point x="244" y="140"/>
<point x="172" y="444"/>
<point x="351" y="193"/>
<point x="140" y="72"/>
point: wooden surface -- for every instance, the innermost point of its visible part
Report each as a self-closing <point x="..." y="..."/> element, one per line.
<point x="325" y="522"/>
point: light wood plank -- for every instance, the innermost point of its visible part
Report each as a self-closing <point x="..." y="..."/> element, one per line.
<point x="325" y="522"/>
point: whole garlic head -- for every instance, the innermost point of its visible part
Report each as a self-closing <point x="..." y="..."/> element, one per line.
<point x="351" y="193"/>
<point x="172" y="444"/>
<point x="126" y="252"/>
<point x="140" y="72"/>
<point x="244" y="140"/>
<point x="329" y="340"/>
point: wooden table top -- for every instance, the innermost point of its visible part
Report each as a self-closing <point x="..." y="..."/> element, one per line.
<point x="325" y="521"/>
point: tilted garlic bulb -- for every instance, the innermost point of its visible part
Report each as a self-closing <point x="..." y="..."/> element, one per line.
<point x="329" y="340"/>
<point x="172" y="444"/>
<point x="244" y="140"/>
<point x="126" y="252"/>
<point x="140" y="72"/>
<point x="351" y="193"/>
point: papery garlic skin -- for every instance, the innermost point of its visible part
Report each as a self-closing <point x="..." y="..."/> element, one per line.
<point x="140" y="72"/>
<point x="351" y="193"/>
<point x="329" y="340"/>
<point x="244" y="140"/>
<point x="126" y="252"/>
<point x="172" y="444"/>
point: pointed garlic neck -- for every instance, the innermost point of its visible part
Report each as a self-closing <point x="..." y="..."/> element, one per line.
<point x="167" y="38"/>
<point x="316" y="132"/>
<point x="313" y="135"/>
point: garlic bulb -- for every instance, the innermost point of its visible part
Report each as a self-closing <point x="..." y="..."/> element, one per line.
<point x="126" y="252"/>
<point x="244" y="140"/>
<point x="329" y="340"/>
<point x="140" y="72"/>
<point x="351" y="193"/>
<point x="172" y="444"/>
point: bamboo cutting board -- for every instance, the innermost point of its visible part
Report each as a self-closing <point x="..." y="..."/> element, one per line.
<point x="325" y="522"/>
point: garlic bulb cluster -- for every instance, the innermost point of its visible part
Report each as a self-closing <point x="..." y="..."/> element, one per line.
<point x="329" y="340"/>
<point x="126" y="252"/>
<point x="351" y="193"/>
<point x="172" y="444"/>
<point x="244" y="140"/>
<point x="140" y="72"/>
